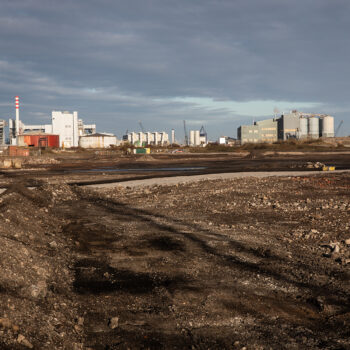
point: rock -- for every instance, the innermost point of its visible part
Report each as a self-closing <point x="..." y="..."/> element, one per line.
<point x="21" y="339"/>
<point x="347" y="241"/>
<point x="335" y="247"/>
<point x="5" y="323"/>
<point x="39" y="290"/>
<point x="78" y="328"/>
<point x="53" y="244"/>
<point x="113" y="322"/>
<point x="80" y="321"/>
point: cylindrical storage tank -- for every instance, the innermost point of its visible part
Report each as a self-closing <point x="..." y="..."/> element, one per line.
<point x="192" y="141"/>
<point x="303" y="128"/>
<point x="97" y="141"/>
<point x="196" y="138"/>
<point x="327" y="126"/>
<point x="314" y="127"/>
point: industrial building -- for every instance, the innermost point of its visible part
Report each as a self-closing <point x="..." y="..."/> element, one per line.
<point x="148" y="138"/>
<point x="301" y="125"/>
<point x="98" y="140"/>
<point x="2" y="132"/>
<point x="293" y="125"/>
<point x="198" y="137"/>
<point x="261" y="131"/>
<point x="64" y="124"/>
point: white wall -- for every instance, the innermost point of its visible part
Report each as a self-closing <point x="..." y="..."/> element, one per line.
<point x="65" y="125"/>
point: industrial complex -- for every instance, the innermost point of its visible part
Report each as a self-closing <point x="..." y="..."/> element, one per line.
<point x="67" y="130"/>
<point x="293" y="125"/>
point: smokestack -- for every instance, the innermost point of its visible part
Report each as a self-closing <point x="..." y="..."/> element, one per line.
<point x="17" y="115"/>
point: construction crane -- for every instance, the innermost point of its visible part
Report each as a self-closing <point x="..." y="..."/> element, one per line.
<point x="125" y="136"/>
<point x="141" y="126"/>
<point x="338" y="128"/>
<point x="186" y="136"/>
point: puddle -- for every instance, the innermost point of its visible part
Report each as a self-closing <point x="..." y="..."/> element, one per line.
<point x="116" y="170"/>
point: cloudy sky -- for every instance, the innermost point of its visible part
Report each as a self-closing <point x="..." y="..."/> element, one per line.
<point x="217" y="63"/>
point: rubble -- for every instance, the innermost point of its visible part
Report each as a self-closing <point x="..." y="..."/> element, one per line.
<point x="220" y="264"/>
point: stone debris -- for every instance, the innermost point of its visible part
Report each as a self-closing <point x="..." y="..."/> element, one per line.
<point x="113" y="322"/>
<point x="21" y="339"/>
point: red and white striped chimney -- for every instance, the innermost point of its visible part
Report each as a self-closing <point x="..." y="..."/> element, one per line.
<point x="17" y="115"/>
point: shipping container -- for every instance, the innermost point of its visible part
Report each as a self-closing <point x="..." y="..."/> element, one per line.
<point x="142" y="151"/>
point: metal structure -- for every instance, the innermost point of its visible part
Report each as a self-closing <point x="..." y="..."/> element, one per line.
<point x="314" y="131"/>
<point x="2" y="132"/>
<point x="17" y="115"/>
<point x="303" y="130"/>
<point x="327" y="126"/>
<point x="338" y="128"/>
<point x="186" y="135"/>
<point x="141" y="126"/>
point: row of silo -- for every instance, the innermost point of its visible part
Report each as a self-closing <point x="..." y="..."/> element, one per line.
<point x="315" y="127"/>
<point x="195" y="138"/>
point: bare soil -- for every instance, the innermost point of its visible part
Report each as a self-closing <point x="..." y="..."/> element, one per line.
<point x="255" y="263"/>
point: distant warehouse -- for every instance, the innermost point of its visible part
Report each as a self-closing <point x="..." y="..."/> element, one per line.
<point x="294" y="125"/>
<point x="97" y="140"/>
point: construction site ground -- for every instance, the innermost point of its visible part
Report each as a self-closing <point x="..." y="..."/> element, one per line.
<point x="242" y="263"/>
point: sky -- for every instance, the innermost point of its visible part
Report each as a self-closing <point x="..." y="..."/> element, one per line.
<point x="216" y="63"/>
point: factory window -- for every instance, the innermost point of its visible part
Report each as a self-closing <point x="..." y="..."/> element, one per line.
<point x="250" y="131"/>
<point x="68" y="126"/>
<point x="256" y="131"/>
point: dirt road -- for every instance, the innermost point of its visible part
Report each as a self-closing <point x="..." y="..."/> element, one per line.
<point x="255" y="263"/>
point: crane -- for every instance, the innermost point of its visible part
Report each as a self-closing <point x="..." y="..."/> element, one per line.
<point x="186" y="136"/>
<point x="141" y="126"/>
<point x="338" y="128"/>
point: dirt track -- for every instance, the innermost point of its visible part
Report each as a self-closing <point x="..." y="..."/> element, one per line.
<point x="219" y="264"/>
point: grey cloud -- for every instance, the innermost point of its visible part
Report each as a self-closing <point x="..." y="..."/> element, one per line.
<point x="56" y="54"/>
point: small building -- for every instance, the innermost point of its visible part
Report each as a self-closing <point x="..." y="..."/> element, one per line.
<point x="38" y="139"/>
<point x="98" y="140"/>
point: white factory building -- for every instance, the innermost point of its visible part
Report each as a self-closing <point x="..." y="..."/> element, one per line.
<point x="198" y="137"/>
<point x="65" y="124"/>
<point x="148" y="138"/>
<point x="98" y="140"/>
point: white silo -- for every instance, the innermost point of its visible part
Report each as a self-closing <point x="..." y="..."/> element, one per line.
<point x="197" y="138"/>
<point x="314" y="127"/>
<point x="303" y="128"/>
<point x="327" y="124"/>
<point x="192" y="141"/>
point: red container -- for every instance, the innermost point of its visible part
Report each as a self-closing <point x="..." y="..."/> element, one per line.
<point x="39" y="140"/>
<point x="14" y="151"/>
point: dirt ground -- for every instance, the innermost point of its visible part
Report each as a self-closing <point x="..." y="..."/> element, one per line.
<point x="247" y="263"/>
<point x="94" y="168"/>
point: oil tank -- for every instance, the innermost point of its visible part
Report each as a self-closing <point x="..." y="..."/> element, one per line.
<point x="303" y="128"/>
<point x="314" y="127"/>
<point x="327" y="126"/>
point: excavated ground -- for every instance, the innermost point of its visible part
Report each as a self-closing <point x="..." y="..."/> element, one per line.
<point x="228" y="264"/>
